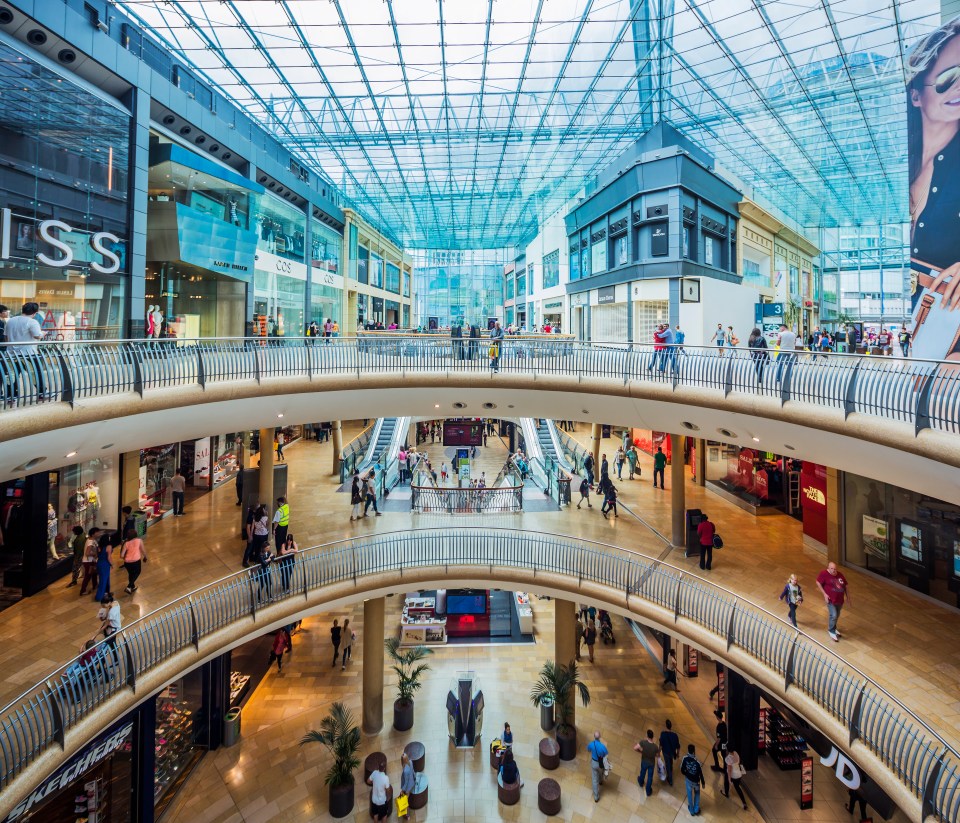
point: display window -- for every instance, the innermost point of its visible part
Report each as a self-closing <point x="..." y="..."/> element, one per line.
<point x="85" y="495"/>
<point x="157" y="465"/>
<point x="226" y="457"/>
<point x="177" y="732"/>
<point x="96" y="786"/>
<point x="280" y="300"/>
<point x="325" y="247"/>
<point x="280" y="228"/>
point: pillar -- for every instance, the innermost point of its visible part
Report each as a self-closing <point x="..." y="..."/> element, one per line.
<point x="595" y="434"/>
<point x="266" y="468"/>
<point x="677" y="490"/>
<point x="700" y="458"/>
<point x="373" y="665"/>
<point x="565" y="638"/>
<point x="834" y="515"/>
<point x="336" y="436"/>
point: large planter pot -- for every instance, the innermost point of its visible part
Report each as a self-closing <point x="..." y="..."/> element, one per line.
<point x="403" y="715"/>
<point x="567" y="741"/>
<point x="341" y="800"/>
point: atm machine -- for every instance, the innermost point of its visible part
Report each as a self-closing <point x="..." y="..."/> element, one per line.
<point x="465" y="710"/>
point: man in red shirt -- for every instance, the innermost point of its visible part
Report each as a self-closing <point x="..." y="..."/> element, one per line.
<point x="833" y="587"/>
<point x="705" y="531"/>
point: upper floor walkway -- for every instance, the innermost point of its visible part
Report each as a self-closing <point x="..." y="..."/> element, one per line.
<point x="847" y="411"/>
<point x="890" y="688"/>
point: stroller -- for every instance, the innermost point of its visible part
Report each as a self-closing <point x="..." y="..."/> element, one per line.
<point x="606" y="628"/>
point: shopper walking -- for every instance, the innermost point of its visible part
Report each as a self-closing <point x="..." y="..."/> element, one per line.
<point x="609" y="500"/>
<point x="585" y="493"/>
<point x="259" y="535"/>
<point x="719" y="749"/>
<point x="648" y="762"/>
<point x="579" y="630"/>
<point x="598" y="755"/>
<point x="588" y="466"/>
<point x="408" y="777"/>
<point x="693" y="774"/>
<point x="77" y="543"/>
<point x="496" y="346"/>
<point x="705" y="534"/>
<point x="28" y="365"/>
<point x="632" y="458"/>
<point x="280" y="440"/>
<point x="104" y="565"/>
<point x="758" y="352"/>
<point x="134" y="555"/>
<point x="720" y="335"/>
<point x="659" y="464"/>
<point x="833" y="587"/>
<point x="371" y="499"/>
<point x="604" y="468"/>
<point x="90" y="551"/>
<point x="336" y="633"/>
<point x="356" y="497"/>
<point x="281" y="643"/>
<point x="281" y="522"/>
<point x="618" y="461"/>
<point x="590" y="638"/>
<point x="787" y="354"/>
<point x="733" y="774"/>
<point x="178" y="485"/>
<point x="286" y="559"/>
<point x="793" y="594"/>
<point x="670" y="671"/>
<point x="669" y="749"/>
<point x="348" y="635"/>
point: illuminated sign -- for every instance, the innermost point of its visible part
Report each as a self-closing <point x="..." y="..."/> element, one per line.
<point x="815" y="495"/>
<point x="49" y="231"/>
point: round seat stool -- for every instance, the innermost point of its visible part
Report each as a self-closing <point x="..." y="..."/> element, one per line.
<point x="509" y="794"/>
<point x="419" y="795"/>
<point x="549" y="753"/>
<point x="495" y="759"/>
<point x="371" y="763"/>
<point x="417" y="754"/>
<point x="548" y="796"/>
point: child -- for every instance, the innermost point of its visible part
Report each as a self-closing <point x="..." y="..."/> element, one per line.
<point x="793" y="594"/>
<point x="585" y="493"/>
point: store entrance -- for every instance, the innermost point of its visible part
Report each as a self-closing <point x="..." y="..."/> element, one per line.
<point x="194" y="302"/>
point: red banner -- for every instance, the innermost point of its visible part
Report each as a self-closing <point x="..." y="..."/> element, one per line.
<point x="762" y="484"/>
<point x="813" y="500"/>
<point x="806" y="783"/>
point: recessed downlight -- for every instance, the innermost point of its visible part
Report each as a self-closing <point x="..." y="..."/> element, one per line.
<point x="727" y="433"/>
<point x="691" y="426"/>
<point x="107" y="446"/>
<point x="489" y="405"/>
<point x="788" y="447"/>
<point x="24" y="467"/>
<point x="459" y="405"/>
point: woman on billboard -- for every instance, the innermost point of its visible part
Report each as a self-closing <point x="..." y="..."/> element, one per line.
<point x="933" y="134"/>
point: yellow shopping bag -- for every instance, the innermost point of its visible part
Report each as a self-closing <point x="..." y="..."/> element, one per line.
<point x="403" y="804"/>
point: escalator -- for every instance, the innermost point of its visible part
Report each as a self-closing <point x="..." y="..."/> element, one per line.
<point x="388" y="436"/>
<point x="550" y="443"/>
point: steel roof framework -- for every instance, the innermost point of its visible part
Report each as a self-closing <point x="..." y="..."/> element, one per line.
<point x="462" y="125"/>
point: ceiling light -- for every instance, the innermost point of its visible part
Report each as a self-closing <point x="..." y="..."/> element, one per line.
<point x="72" y="454"/>
<point x="436" y="406"/>
<point x="756" y="439"/>
<point x="279" y="415"/>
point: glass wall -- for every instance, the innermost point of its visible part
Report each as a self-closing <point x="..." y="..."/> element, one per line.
<point x="64" y="157"/>
<point x="459" y="284"/>
<point x="393" y="278"/>
<point x="278" y="304"/>
<point x="325" y="302"/>
<point x="281" y="228"/>
<point x="280" y="279"/>
<point x="325" y="244"/>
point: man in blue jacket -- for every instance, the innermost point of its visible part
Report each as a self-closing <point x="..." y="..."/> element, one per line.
<point x="691" y="770"/>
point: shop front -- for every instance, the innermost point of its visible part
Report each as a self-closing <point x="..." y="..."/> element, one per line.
<point x="326" y="298"/>
<point x="38" y="514"/>
<point x="902" y="535"/>
<point x="146" y="480"/>
<point x="64" y="201"/>
<point x="280" y="280"/>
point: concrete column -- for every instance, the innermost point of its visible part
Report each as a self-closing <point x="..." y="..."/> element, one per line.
<point x="595" y="435"/>
<point x="565" y="636"/>
<point x="677" y="490"/>
<point x="701" y="460"/>
<point x="373" y="665"/>
<point x="266" y="468"/>
<point x="834" y="515"/>
<point x="336" y="437"/>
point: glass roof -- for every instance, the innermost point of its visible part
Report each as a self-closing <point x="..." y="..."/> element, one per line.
<point x="462" y="124"/>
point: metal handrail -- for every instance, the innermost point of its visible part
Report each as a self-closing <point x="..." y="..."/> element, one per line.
<point x="922" y="393"/>
<point x="467" y="500"/>
<point x="353" y="453"/>
<point x="920" y="758"/>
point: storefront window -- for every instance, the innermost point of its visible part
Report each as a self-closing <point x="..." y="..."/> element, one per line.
<point x="326" y="302"/>
<point x="157" y="466"/>
<point x="406" y="284"/>
<point x="326" y="244"/>
<point x="903" y="535"/>
<point x="66" y="186"/>
<point x="393" y="278"/>
<point x="280" y="228"/>
<point x="179" y="724"/>
<point x="376" y="270"/>
<point x="279" y="303"/>
<point x="521" y="286"/>
<point x="363" y="264"/>
<point x="510" y="287"/>
<point x="85" y="495"/>
<point x="551" y="269"/>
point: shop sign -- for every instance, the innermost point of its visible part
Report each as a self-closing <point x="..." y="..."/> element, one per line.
<point x="813" y="499"/>
<point x="745" y="464"/>
<point x="553" y="304"/>
<point x="201" y="459"/>
<point x="846" y="772"/>
<point x="49" y="232"/>
<point x="325" y="278"/>
<point x="80" y="765"/>
<point x="274" y="264"/>
<point x="606" y="295"/>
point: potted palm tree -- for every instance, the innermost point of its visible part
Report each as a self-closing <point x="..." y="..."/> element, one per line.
<point x="561" y="684"/>
<point x="341" y="735"/>
<point x="409" y="671"/>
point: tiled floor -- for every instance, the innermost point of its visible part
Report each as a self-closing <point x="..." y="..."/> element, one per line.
<point x="904" y="641"/>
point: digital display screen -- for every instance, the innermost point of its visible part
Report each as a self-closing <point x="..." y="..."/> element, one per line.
<point x="913" y="555"/>
<point x="911" y="543"/>
<point x="456" y="433"/>
<point x="467" y="603"/>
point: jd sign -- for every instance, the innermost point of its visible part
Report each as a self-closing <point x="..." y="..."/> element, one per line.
<point x="846" y="772"/>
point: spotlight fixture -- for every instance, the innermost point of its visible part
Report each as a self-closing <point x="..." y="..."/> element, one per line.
<point x="71" y="454"/>
<point x="36" y="37"/>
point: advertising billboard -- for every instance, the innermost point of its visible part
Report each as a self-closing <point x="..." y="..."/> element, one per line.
<point x="933" y="135"/>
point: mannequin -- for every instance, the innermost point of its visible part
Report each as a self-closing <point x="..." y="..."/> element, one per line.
<point x="157" y="321"/>
<point x="93" y="501"/>
<point x="150" y="330"/>
<point x="52" y="531"/>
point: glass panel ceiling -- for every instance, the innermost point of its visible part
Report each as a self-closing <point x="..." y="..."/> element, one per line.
<point x="462" y="124"/>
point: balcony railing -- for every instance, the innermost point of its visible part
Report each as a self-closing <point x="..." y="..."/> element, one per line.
<point x="430" y="498"/>
<point x="923" y="393"/>
<point x="916" y="755"/>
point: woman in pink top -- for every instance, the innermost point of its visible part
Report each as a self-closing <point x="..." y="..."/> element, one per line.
<point x="134" y="555"/>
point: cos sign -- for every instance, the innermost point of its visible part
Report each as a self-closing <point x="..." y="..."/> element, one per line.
<point x="46" y="228"/>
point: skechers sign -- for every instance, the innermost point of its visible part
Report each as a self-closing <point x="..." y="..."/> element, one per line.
<point x="54" y="234"/>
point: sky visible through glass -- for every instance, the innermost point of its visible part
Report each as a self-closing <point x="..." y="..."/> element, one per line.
<point x="463" y="124"/>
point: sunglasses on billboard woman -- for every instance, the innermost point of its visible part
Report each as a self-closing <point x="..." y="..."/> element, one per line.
<point x="945" y="80"/>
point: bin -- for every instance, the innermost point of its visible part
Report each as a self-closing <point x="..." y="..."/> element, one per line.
<point x="546" y="714"/>
<point x="694" y="518"/>
<point x="231" y="727"/>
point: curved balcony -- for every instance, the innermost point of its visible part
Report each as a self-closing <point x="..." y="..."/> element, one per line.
<point x="50" y="722"/>
<point x="847" y="411"/>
